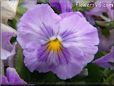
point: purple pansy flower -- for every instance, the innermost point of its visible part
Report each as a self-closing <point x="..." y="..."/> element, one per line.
<point x="61" y="5"/>
<point x="7" y="49"/>
<point x="103" y="6"/>
<point x="11" y="78"/>
<point x="63" y="44"/>
<point x="106" y="60"/>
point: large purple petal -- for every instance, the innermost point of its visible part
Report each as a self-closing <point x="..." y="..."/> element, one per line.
<point x="67" y="71"/>
<point x="72" y="68"/>
<point x="74" y="32"/>
<point x="33" y="25"/>
<point x="75" y="66"/>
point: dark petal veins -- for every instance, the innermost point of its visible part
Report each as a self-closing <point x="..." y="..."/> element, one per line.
<point x="68" y="36"/>
<point x="62" y="56"/>
<point x="66" y="33"/>
<point x="66" y="55"/>
<point x="42" y="53"/>
<point x="47" y="31"/>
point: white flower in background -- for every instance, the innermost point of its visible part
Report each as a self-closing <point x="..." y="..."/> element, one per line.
<point x="8" y="9"/>
<point x="6" y="28"/>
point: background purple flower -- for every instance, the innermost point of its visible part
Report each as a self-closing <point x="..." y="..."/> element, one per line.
<point x="106" y="60"/>
<point x="11" y="78"/>
<point x="106" y="42"/>
<point x="7" y="49"/>
<point x="103" y="6"/>
<point x="61" y="5"/>
<point x="63" y="44"/>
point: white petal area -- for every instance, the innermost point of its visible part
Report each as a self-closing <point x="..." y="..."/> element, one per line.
<point x="6" y="54"/>
<point x="6" y="28"/>
<point x="8" y="8"/>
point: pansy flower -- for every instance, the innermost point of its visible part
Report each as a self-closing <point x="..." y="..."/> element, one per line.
<point x="106" y="61"/>
<point x="7" y="49"/>
<point x="61" y="5"/>
<point x="63" y="44"/>
<point x="11" y="78"/>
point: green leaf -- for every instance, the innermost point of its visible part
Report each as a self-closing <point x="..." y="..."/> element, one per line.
<point x="95" y="74"/>
<point x="13" y="39"/>
<point x="100" y="54"/>
<point x="109" y="80"/>
<point x="81" y="6"/>
<point x="12" y="23"/>
<point x="109" y="25"/>
<point x="20" y="2"/>
<point x="42" y="1"/>
<point x="107" y="72"/>
<point x="105" y="32"/>
<point x="21" y="10"/>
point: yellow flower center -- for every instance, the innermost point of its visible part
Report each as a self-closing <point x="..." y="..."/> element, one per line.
<point x="54" y="45"/>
